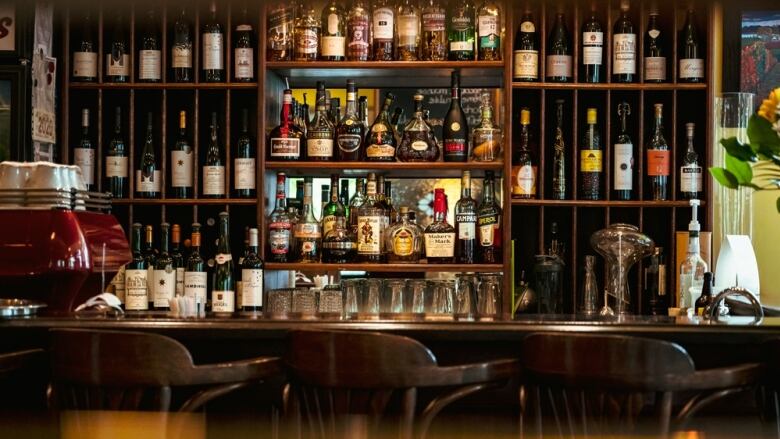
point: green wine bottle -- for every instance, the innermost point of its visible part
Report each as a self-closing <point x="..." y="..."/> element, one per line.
<point x="195" y="276"/>
<point x="136" y="288"/>
<point x="252" y="276"/>
<point x="164" y="273"/>
<point x="223" y="293"/>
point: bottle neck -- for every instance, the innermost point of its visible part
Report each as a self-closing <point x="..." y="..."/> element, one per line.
<point x="224" y="237"/>
<point x="659" y="125"/>
<point x="465" y="187"/>
<point x="195" y="243"/>
<point x="693" y="243"/>
<point x="334" y="190"/>
<point x="286" y="111"/>
<point x="308" y="214"/>
<point x="489" y="195"/>
<point x="439" y="209"/>
<point x="623" y="124"/>
<point x="136" y="241"/>
<point x="690" y="144"/>
<point x="164" y="242"/>
<point x="281" y="196"/>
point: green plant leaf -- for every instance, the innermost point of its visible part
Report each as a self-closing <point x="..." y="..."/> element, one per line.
<point x="762" y="137"/>
<point x="724" y="177"/>
<point x="741" y="170"/>
<point x="739" y="150"/>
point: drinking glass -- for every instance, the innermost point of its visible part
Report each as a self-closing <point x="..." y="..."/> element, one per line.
<point x="371" y="292"/>
<point x="418" y="290"/>
<point x="279" y="303"/>
<point x="443" y="292"/>
<point x="331" y="300"/>
<point x="465" y="296"/>
<point x="351" y="292"/>
<point x="304" y="300"/>
<point x="489" y="296"/>
<point x="394" y="296"/>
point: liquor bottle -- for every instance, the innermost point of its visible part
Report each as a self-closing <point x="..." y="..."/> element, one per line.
<point x="350" y="130"/>
<point x="85" y="57"/>
<point x="182" y="159"/>
<point x="434" y="32"/>
<point x="382" y="201"/>
<point x="305" y="115"/>
<point x="195" y="276"/>
<point x="624" y="47"/>
<point x="690" y="171"/>
<point x="252" y="276"/>
<point x="559" y="59"/>
<point x="691" y="60"/>
<point x="489" y="223"/>
<point x="706" y="298"/>
<point x="526" y="51"/>
<point x="281" y="28"/>
<point x="456" y="128"/>
<point x="358" y="32"/>
<point x="655" y="61"/>
<point x="355" y="202"/>
<point x="178" y="259"/>
<point x="319" y="138"/>
<point x="84" y="153"/>
<point x="344" y="196"/>
<point x="380" y="140"/>
<point x="623" y="157"/>
<point x="486" y="137"/>
<point x="370" y="224"/>
<point x="136" y="283"/>
<point x="116" y="160"/>
<point x="334" y="209"/>
<point x="244" y="180"/>
<point x="307" y="33"/>
<point x="559" y="155"/>
<point x="307" y="232"/>
<point x="655" y="283"/>
<point x="150" y="53"/>
<point x="363" y="110"/>
<point x="280" y="225"/>
<point x="286" y="138"/>
<point x="489" y="31"/>
<point x="556" y="246"/>
<point x="466" y="223"/>
<point x="658" y="158"/>
<point x="243" y="50"/>
<point x="118" y="56"/>
<point x="181" y="50"/>
<point x="335" y="110"/>
<point x="164" y="273"/>
<point x="398" y="122"/>
<point x="148" y="175"/>
<point x="418" y="143"/>
<point x="404" y="240"/>
<point x="462" y="31"/>
<point x="150" y="255"/>
<point x="213" y="47"/>
<point x="338" y="244"/>
<point x="591" y="159"/>
<point x="592" y="49"/>
<point x="388" y="198"/>
<point x="524" y="166"/>
<point x="407" y="33"/>
<point x="439" y="235"/>
<point x="223" y="293"/>
<point x="383" y="28"/>
<point x="333" y="32"/>
<point x="214" y="167"/>
<point x="693" y="267"/>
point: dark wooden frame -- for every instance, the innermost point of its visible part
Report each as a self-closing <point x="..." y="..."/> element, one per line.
<point x="19" y="76"/>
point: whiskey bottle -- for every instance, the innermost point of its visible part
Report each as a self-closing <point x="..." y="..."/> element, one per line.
<point x="223" y="288"/>
<point x="524" y="166"/>
<point x="658" y="158"/>
<point x="85" y="57"/>
<point x="462" y="30"/>
<point x="148" y="175"/>
<point x="307" y="232"/>
<point x="178" y="258"/>
<point x="418" y="143"/>
<point x="286" y="138"/>
<point x="440" y="235"/>
<point x="319" y="139"/>
<point x="434" y="32"/>
<point x="281" y="28"/>
<point x="466" y="223"/>
<point x="136" y="283"/>
<point x="181" y="49"/>
<point x="489" y="223"/>
<point x="624" y="47"/>
<point x="655" y="61"/>
<point x="592" y="49"/>
<point x="334" y="209"/>
<point x="403" y="240"/>
<point x="487" y="137"/>
<point x="307" y="33"/>
<point x="591" y="159"/>
<point x="383" y="28"/>
<point x="195" y="276"/>
<point x="350" y="130"/>
<point x="243" y="50"/>
<point x="526" y="51"/>
<point x="690" y="171"/>
<point x="559" y="156"/>
<point x="252" y="276"/>
<point x="84" y="153"/>
<point x="244" y="181"/>
<point x="164" y="273"/>
<point x="150" y="53"/>
<point x="280" y="224"/>
<point x="380" y="140"/>
<point x="623" y="157"/>
<point x="371" y="217"/>
<point x="559" y="56"/>
<point x="333" y="32"/>
<point x="358" y="32"/>
<point x="456" y="128"/>
<point x="214" y="166"/>
<point x="489" y="31"/>
<point x="213" y="47"/>
<point x="407" y="31"/>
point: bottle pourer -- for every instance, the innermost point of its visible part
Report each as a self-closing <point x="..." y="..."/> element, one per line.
<point x="694" y="225"/>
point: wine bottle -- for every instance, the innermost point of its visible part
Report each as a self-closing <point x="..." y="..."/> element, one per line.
<point x="307" y="233"/>
<point x="334" y="209"/>
<point x="655" y="283"/>
<point x="655" y="61"/>
<point x="690" y="171"/>
<point x="489" y="31"/>
<point x="150" y="53"/>
<point x="524" y="166"/>
<point x="380" y="140"/>
<point x="85" y="57"/>
<point x="623" y="157"/>
<point x="407" y="32"/>
<point x="559" y="155"/>
<point x="252" y="276"/>
<point x="358" y="32"/>
<point x="526" y="51"/>
<point x="489" y="223"/>
<point x="624" y="47"/>
<point x="456" y="128"/>
<point x="691" y="60"/>
<point x="592" y="49"/>
<point x="181" y="50"/>
<point x="213" y="47"/>
<point x="223" y="293"/>
<point x="164" y="272"/>
<point x="182" y="159"/>
<point x="308" y="33"/>
<point x="383" y="27"/>
<point x="281" y="29"/>
<point x="280" y="225"/>
<point x="118" y="56"/>
<point x="214" y="166"/>
<point x="84" y="153"/>
<point x="333" y="32"/>
<point x="244" y="180"/>
<point x="350" y="130"/>
<point x="150" y="256"/>
<point x="148" y="180"/>
<point x="439" y="235"/>
<point x="658" y="158"/>
<point x="462" y="30"/>
<point x="244" y="50"/>
<point x="136" y="283"/>
<point x="466" y="223"/>
<point x="591" y="163"/>
<point x="178" y="259"/>
<point x="116" y="160"/>
<point x="559" y="58"/>
<point x="434" y="32"/>
<point x="195" y="276"/>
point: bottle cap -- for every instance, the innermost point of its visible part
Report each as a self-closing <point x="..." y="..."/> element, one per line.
<point x="182" y="119"/>
<point x="592" y="116"/>
<point x="85" y="117"/>
<point x="624" y="5"/>
<point x="525" y="117"/>
<point x="690" y="129"/>
<point x="176" y="233"/>
<point x="694" y="225"/>
<point x="403" y="210"/>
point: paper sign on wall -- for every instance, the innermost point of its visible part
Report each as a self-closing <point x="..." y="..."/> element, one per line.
<point x="7" y="27"/>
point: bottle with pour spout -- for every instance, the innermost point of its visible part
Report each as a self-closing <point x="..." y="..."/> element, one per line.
<point x="693" y="267"/>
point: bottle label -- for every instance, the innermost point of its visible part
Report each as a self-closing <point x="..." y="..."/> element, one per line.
<point x="403" y="242"/>
<point x="84" y="158"/>
<point x="467" y="226"/>
<point x="624" y="167"/>
<point x="461" y="46"/>
<point x="279" y="238"/>
<point x="691" y="178"/>
<point x="524" y="180"/>
<point x="488" y="32"/>
<point x="244" y="174"/>
<point x="119" y="66"/>
<point x="213" y="180"/>
<point x="658" y="162"/>
<point x="150" y="282"/>
<point x="349" y="142"/>
<point x="624" y="54"/>
<point x="559" y="65"/>
<point x="244" y="60"/>
<point x="527" y="27"/>
<point x="376" y="151"/>
<point x="333" y="23"/>
<point x="307" y="231"/>
<point x="306" y="42"/>
<point x="223" y="301"/>
<point x="328" y="222"/>
<point x="149" y="64"/>
<point x="164" y="287"/>
<point x="223" y="258"/>
<point x="85" y="64"/>
<point x="212" y="51"/>
<point x="116" y="166"/>
<point x="280" y="25"/>
<point x="147" y="183"/>
<point x="592" y="43"/>
<point x="408" y="28"/>
<point x="319" y="147"/>
<point x="181" y="171"/>
<point x="655" y="68"/>
<point x="383" y="24"/>
<point x="439" y="245"/>
<point x="333" y="46"/>
<point x="691" y="68"/>
<point x="252" y="287"/>
<point x="119" y="285"/>
<point x="419" y="145"/>
<point x="488" y="227"/>
<point x="590" y="160"/>
<point x="455" y="146"/>
<point x="358" y="31"/>
<point x="136" y="290"/>
<point x="433" y="22"/>
<point x="526" y="63"/>
<point x="180" y="282"/>
<point x="286" y="147"/>
<point x="182" y="57"/>
<point x="369" y="230"/>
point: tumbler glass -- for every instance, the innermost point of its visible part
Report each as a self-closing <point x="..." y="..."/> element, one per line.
<point x="370" y="294"/>
<point x="394" y="296"/>
<point x="465" y="296"/>
<point x="279" y="303"/>
<point x="489" y="296"/>
<point x="304" y="301"/>
<point x="351" y="291"/>
<point x="441" y="305"/>
<point x="418" y="289"/>
<point x="331" y="300"/>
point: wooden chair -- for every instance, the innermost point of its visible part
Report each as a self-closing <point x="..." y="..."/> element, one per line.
<point x="598" y="384"/>
<point x="338" y="374"/>
<point x="122" y="370"/>
<point x="23" y="380"/>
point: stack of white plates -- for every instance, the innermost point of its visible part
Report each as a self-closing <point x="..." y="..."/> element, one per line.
<point x="41" y="185"/>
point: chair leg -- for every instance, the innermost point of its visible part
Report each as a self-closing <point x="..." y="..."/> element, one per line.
<point x="664" y="410"/>
<point x="700" y="401"/>
<point x="438" y="403"/>
<point x="204" y="396"/>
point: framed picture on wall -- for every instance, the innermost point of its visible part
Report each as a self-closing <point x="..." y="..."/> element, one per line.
<point x="14" y="112"/>
<point x="759" y="52"/>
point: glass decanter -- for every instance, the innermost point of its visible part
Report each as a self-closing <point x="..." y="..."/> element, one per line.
<point x="487" y="137"/>
<point x="418" y="143"/>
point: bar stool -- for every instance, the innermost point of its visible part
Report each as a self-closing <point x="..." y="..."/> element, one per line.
<point x="597" y="384"/>
<point x="122" y="370"/>
<point x="334" y="374"/>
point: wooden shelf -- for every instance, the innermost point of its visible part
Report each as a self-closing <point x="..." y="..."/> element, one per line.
<point x="387" y="268"/>
<point x="164" y="86"/>
<point x="183" y="201"/>
<point x="605" y="86"/>
<point x="601" y="203"/>
<point x="399" y="169"/>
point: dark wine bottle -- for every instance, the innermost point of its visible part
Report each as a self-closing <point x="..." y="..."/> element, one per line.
<point x="84" y="153"/>
<point x="181" y="50"/>
<point x="623" y="157"/>
<point x="223" y="292"/>
<point x="244" y="181"/>
<point x="150" y="52"/>
<point x="655" y="61"/>
<point x="526" y="51"/>
<point x="559" y="59"/>
<point x="116" y="160"/>
<point x="243" y="50"/>
<point x="655" y="283"/>
<point x="691" y="60"/>
<point x="164" y="272"/>
<point x="214" y="166"/>
<point x="178" y="259"/>
<point x="466" y="223"/>
<point x="658" y="159"/>
<point x="591" y="163"/>
<point x="182" y="159"/>
<point x="195" y="276"/>
<point x="455" y="132"/>
<point x="118" y="56"/>
<point x="252" y="276"/>
<point x="212" y="47"/>
<point x="148" y="175"/>
<point x="136" y="284"/>
<point x="85" y="57"/>
<point x="624" y="47"/>
<point x="592" y="49"/>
